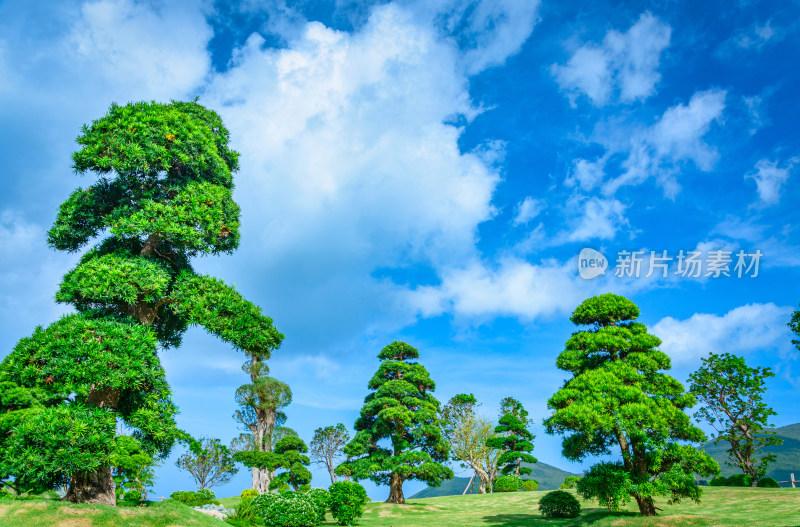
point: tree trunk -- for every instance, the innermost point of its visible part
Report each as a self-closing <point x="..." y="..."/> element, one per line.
<point x="469" y="484"/>
<point x="646" y="505"/>
<point x="261" y="480"/>
<point x="396" y="490"/>
<point x="485" y="480"/>
<point x="92" y="487"/>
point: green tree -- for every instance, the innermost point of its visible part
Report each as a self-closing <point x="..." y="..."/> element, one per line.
<point x="132" y="467"/>
<point x="290" y="452"/>
<point x="163" y="196"/>
<point x="210" y="463"/>
<point x="794" y="325"/>
<point x="398" y="436"/>
<point x="619" y="397"/>
<point x="328" y="445"/>
<point x="467" y="434"/>
<point x="513" y="438"/>
<point x="731" y="393"/>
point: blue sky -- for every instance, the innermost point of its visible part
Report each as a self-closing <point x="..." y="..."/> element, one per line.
<point x="429" y="171"/>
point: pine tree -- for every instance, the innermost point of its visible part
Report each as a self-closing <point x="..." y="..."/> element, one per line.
<point x="513" y="438"/>
<point x="402" y="410"/>
<point x="162" y="195"/>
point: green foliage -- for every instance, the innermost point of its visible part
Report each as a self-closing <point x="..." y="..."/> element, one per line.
<point x="328" y="445"/>
<point x="261" y="460"/>
<point x="609" y="483"/>
<point x="132" y="497"/>
<point x="244" y="513"/>
<point x="347" y="499"/>
<point x="529" y="485"/>
<point x="321" y="499"/>
<point x="210" y="463"/>
<point x="507" y="484"/>
<point x="570" y="482"/>
<point x="559" y="504"/>
<point x="193" y="499"/>
<point x="513" y="438"/>
<point x="619" y="398"/>
<point x="402" y="410"/>
<point x="248" y="493"/>
<point x="133" y="468"/>
<point x="4" y="494"/>
<point x="289" y="509"/>
<point x="740" y="480"/>
<point x="732" y="395"/>
<point x="290" y="451"/>
<point x="794" y="325"/>
<point x="719" y="481"/>
<point x="769" y="483"/>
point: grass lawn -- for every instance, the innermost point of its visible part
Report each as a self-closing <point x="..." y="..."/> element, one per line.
<point x="724" y="506"/>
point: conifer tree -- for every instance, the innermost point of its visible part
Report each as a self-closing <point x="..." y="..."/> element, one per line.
<point x="398" y="436"/>
<point x="513" y="438"/>
<point x="163" y="195"/>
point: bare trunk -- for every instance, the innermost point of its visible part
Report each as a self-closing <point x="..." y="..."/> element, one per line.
<point x="469" y="484"/>
<point x="261" y="480"/>
<point x="396" y="490"/>
<point x="92" y="487"/>
<point x="646" y="506"/>
<point x="332" y="474"/>
<point x="484" y="479"/>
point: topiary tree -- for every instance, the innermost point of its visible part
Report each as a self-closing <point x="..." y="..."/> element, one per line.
<point x="732" y="396"/>
<point x="291" y="457"/>
<point x="163" y="196"/>
<point x="619" y="397"/>
<point x="559" y="504"/>
<point x="401" y="412"/>
<point x="512" y="438"/>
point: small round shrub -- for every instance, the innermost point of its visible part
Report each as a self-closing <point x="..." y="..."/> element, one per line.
<point x="740" y="480"/>
<point x="769" y="483"/>
<point x="248" y="493"/>
<point x="206" y="494"/>
<point x="718" y="481"/>
<point x="530" y="485"/>
<point x="132" y="497"/>
<point x="290" y="509"/>
<point x="193" y="499"/>
<point x="507" y="484"/>
<point x="347" y="502"/>
<point x="321" y="499"/>
<point x="559" y="504"/>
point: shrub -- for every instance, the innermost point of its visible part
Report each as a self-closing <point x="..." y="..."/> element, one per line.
<point x="290" y="509"/>
<point x="193" y="499"/>
<point x="347" y="502"/>
<point x="608" y="483"/>
<point x="740" y="480"/>
<point x="718" y="481"/>
<point x="248" y="493"/>
<point x="132" y="497"/>
<point x="205" y="494"/>
<point x="559" y="504"/>
<point x="244" y="514"/>
<point x="507" y="484"/>
<point x="570" y="482"/>
<point x="530" y="485"/>
<point x="4" y="494"/>
<point x="321" y="499"/>
<point x="769" y="483"/>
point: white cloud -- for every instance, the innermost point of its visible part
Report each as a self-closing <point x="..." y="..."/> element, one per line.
<point x="743" y="330"/>
<point x="599" y="218"/>
<point x="769" y="179"/>
<point x="586" y="174"/>
<point x="528" y="209"/>
<point x="757" y="35"/>
<point x="625" y="64"/>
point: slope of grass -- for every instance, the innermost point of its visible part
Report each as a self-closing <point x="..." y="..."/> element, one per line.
<point x="53" y="513"/>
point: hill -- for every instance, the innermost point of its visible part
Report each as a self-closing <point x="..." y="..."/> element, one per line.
<point x="548" y="476"/>
<point x="788" y="454"/>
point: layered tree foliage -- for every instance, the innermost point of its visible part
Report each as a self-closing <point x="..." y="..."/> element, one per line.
<point x="210" y="463"/>
<point x="618" y="398"/>
<point x="731" y="393"/>
<point x="398" y="435"/>
<point x="162" y="195"/>
<point x="328" y="445"/>
<point x="290" y="456"/>
<point x="512" y="438"/>
<point x="467" y="433"/>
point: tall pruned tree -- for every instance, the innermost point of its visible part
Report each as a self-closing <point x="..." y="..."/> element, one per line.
<point x="328" y="445"/>
<point x="260" y="411"/>
<point x="731" y="393"/>
<point x="619" y="398"/>
<point x="291" y="456"/>
<point x="467" y="433"/>
<point x="162" y="194"/>
<point x="512" y="438"/>
<point x="398" y="436"/>
<point x="210" y="463"/>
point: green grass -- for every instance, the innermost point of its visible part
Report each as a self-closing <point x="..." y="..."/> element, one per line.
<point x="721" y="506"/>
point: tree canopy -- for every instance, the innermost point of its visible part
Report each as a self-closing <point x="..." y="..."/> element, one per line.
<point x="512" y="438"/>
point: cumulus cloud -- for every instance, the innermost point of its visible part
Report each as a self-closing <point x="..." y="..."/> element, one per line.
<point x="623" y="66"/>
<point x="769" y="178"/>
<point x="743" y="330"/>
<point x="528" y="209"/>
<point x="594" y="218"/>
<point x="585" y="174"/>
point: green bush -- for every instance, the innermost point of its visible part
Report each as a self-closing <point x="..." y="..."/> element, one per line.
<point x="244" y="514"/>
<point x="769" y="483"/>
<point x="4" y="494"/>
<point x="740" y="480"/>
<point x="321" y="499"/>
<point x="132" y="497"/>
<point x="507" y="484"/>
<point x="718" y="481"/>
<point x="570" y="482"/>
<point x="347" y="502"/>
<point x="290" y="509"/>
<point x="530" y="485"/>
<point x="248" y="493"/>
<point x="193" y="499"/>
<point x="559" y="504"/>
